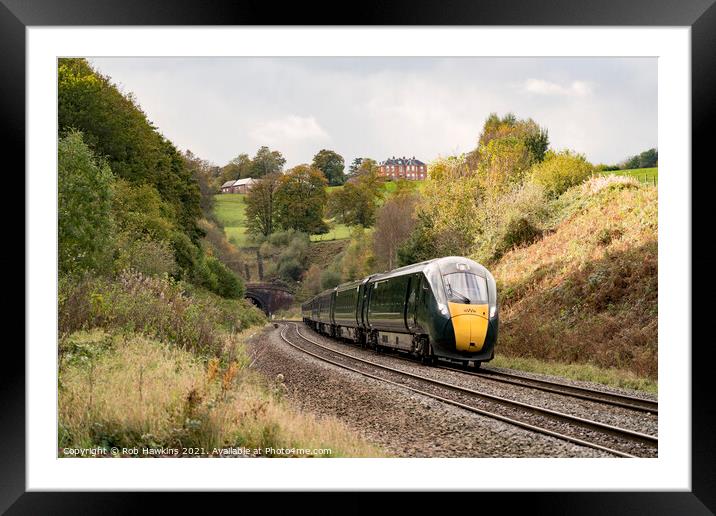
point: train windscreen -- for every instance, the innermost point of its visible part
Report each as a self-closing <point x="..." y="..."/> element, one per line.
<point x="463" y="287"/>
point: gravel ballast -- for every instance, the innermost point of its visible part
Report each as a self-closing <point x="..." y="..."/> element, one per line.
<point x="402" y="423"/>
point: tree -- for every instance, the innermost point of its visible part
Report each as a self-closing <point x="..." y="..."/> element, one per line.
<point x="395" y="221"/>
<point x="260" y="205"/>
<point x="357" y="260"/>
<point x="84" y="203"/>
<point x="331" y="164"/>
<point x="355" y="164"/>
<point x="203" y="173"/>
<point x="649" y="158"/>
<point x="238" y="168"/>
<point x="266" y="162"/>
<point x="357" y="201"/>
<point x="533" y="137"/>
<point x="114" y="126"/>
<point x="301" y="200"/>
<point x="503" y="163"/>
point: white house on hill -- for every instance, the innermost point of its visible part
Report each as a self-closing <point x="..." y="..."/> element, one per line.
<point x="238" y="186"/>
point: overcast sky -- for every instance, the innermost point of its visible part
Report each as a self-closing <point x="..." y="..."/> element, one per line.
<point x="605" y="108"/>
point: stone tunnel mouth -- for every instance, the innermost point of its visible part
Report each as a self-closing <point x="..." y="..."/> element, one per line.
<point x="257" y="303"/>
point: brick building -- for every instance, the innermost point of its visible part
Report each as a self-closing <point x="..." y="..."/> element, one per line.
<point x="403" y="168"/>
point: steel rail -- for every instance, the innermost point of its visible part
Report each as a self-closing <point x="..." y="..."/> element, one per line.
<point x="574" y="391"/>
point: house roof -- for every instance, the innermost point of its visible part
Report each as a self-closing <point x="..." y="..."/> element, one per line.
<point x="238" y="182"/>
<point x="402" y="161"/>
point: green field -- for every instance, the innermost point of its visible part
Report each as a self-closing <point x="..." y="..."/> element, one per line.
<point x="230" y="209"/>
<point x="645" y="175"/>
<point x="338" y="232"/>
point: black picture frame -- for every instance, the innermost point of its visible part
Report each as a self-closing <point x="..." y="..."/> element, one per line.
<point x="700" y="15"/>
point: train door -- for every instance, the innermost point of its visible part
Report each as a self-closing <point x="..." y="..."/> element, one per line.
<point x="412" y="303"/>
<point x="366" y="302"/>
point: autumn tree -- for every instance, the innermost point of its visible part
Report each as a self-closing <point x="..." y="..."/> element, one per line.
<point x="261" y="205"/>
<point x="517" y="145"/>
<point x="331" y="164"/>
<point x="394" y="222"/>
<point x="357" y="202"/>
<point x="448" y="215"/>
<point x="300" y="200"/>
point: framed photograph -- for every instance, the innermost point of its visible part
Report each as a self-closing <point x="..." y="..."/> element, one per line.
<point x="419" y="252"/>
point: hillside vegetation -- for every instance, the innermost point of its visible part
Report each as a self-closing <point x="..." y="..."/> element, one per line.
<point x="586" y="292"/>
<point x="152" y="320"/>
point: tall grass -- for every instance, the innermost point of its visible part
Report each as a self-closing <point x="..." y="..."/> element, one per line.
<point x="125" y="390"/>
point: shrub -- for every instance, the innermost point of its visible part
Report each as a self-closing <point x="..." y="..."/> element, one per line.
<point x="84" y="202"/>
<point x="228" y="285"/>
<point x="330" y="278"/>
<point x="511" y="220"/>
<point x="158" y="307"/>
<point x="151" y="257"/>
<point x="559" y="171"/>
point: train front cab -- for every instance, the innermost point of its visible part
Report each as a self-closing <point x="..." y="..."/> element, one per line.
<point x="463" y="311"/>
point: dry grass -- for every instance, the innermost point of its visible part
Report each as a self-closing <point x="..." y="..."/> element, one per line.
<point x="129" y="390"/>
<point x="587" y="291"/>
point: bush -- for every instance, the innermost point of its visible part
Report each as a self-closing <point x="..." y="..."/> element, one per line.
<point x="560" y="171"/>
<point x="158" y="307"/>
<point x="511" y="220"/>
<point x="228" y="285"/>
<point x="84" y="205"/>
<point x="151" y="257"/>
<point x="287" y="255"/>
<point x="330" y="278"/>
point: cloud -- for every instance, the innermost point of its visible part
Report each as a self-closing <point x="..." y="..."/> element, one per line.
<point x="291" y="128"/>
<point x="542" y="87"/>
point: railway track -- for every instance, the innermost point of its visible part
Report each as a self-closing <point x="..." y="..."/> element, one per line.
<point x="573" y="391"/>
<point x="607" y="438"/>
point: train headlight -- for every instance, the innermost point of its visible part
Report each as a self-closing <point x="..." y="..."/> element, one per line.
<point x="493" y="311"/>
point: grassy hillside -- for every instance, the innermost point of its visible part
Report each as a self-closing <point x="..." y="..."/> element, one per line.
<point x="587" y="291"/>
<point x="230" y="210"/>
<point x="147" y="362"/>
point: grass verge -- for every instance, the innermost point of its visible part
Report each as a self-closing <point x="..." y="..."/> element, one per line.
<point x="585" y="372"/>
<point x="126" y="390"/>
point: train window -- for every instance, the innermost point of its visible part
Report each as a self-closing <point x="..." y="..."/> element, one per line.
<point x="464" y="287"/>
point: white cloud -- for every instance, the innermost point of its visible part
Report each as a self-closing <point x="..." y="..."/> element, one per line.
<point x="379" y="107"/>
<point x="291" y="128"/>
<point x="542" y="87"/>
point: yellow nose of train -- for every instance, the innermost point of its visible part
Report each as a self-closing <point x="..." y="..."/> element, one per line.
<point x="470" y="325"/>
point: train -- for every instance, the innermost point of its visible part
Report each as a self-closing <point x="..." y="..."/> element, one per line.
<point x="445" y="308"/>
